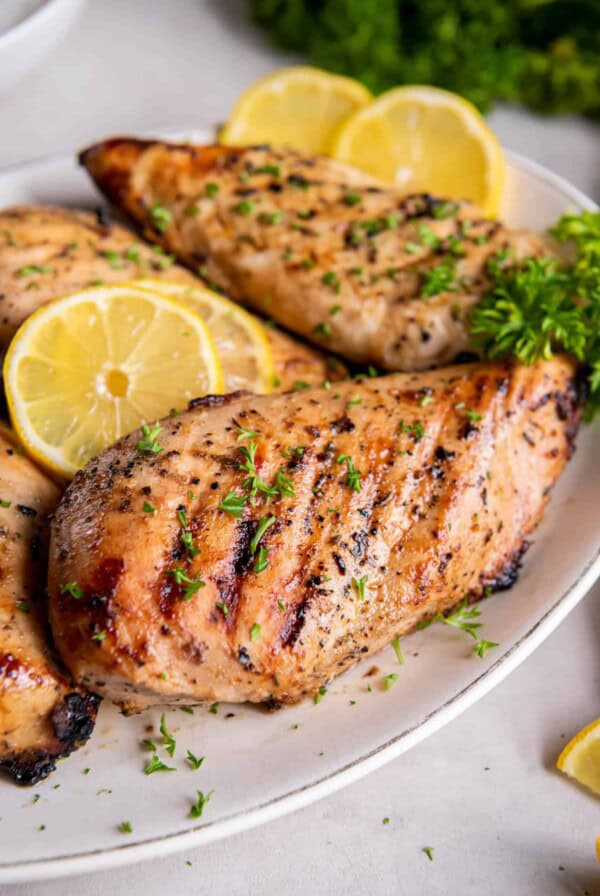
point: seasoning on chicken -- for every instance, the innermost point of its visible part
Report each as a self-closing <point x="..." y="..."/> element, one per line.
<point x="361" y="269"/>
<point x="50" y="252"/>
<point x="42" y="715"/>
<point x="270" y="542"/>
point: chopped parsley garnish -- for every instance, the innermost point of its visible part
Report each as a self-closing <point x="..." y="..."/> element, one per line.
<point x="262" y="560"/>
<point x="73" y="589"/>
<point x="245" y="207"/>
<point x="255" y="632"/>
<point x="461" y="618"/>
<point x="263" y="525"/>
<point x="157" y="765"/>
<point x="356" y="399"/>
<point x="416" y="429"/>
<point x="161" y="217"/>
<point x="360" y="585"/>
<point x="428" y="850"/>
<point x="254" y="483"/>
<point x="473" y="416"/>
<point x="281" y="605"/>
<point x="300" y="385"/>
<point x="194" y="761"/>
<point x="187" y="541"/>
<point x="198" y="807"/>
<point x="168" y="739"/>
<point x="116" y="262"/>
<point x="148" y="508"/>
<point x="99" y="636"/>
<point x="353" y="475"/>
<point x="149" y="444"/>
<point x="445" y="210"/>
<point x="5" y="504"/>
<point x="284" y="484"/>
<point x="30" y="269"/>
<point x="398" y="650"/>
<point x="352" y="198"/>
<point x="211" y="189"/>
<point x="214" y="708"/>
<point x="223" y="608"/>
<point x="389" y="680"/>
<point x="386" y="820"/>
<point x="233" y="504"/>
<point x="427" y="237"/>
<point x="180" y="577"/>
<point x="23" y="607"/>
<point x="483" y="646"/>
<point x="335" y="309"/>
<point x="440" y="278"/>
<point x="330" y="278"/>
<point x="125" y="827"/>
<point x="245" y="433"/>
<point x="273" y="170"/>
<point x="320" y="694"/>
<point x="323" y="329"/>
<point x="427" y="399"/>
<point x="148" y="744"/>
<point x="270" y="217"/>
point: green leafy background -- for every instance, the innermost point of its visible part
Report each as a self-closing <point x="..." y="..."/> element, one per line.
<point x="542" y="53"/>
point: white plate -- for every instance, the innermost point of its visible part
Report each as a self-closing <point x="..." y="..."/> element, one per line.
<point x="29" y="30"/>
<point x="260" y="765"/>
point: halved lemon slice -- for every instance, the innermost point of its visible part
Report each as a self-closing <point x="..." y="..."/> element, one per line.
<point x="299" y="106"/>
<point x="86" y="369"/>
<point x="240" y="339"/>
<point x="580" y="759"/>
<point x="426" y="139"/>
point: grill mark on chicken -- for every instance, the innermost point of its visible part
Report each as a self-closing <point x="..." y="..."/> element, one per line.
<point x="230" y="585"/>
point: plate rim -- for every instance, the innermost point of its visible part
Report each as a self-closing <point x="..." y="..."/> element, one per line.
<point x="208" y="832"/>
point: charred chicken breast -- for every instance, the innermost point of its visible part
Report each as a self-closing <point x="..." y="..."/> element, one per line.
<point x="291" y="535"/>
<point x="43" y="716"/>
<point x="358" y="268"/>
<point x="50" y="252"/>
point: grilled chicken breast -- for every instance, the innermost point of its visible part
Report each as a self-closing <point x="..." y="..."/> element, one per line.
<point x="359" y="269"/>
<point x="291" y="535"/>
<point x="42" y="715"/>
<point x="50" y="252"/>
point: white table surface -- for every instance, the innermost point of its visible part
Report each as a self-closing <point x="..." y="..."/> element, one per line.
<point x="482" y="792"/>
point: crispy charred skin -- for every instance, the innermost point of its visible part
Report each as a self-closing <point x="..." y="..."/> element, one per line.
<point x="43" y="716"/>
<point x="424" y="486"/>
<point x="339" y="259"/>
<point x="50" y="252"/>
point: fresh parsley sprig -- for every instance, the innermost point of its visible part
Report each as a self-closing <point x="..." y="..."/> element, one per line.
<point x="538" y="306"/>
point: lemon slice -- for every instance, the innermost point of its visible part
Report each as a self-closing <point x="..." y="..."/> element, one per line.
<point x="240" y="339"/>
<point x="299" y="106"/>
<point x="86" y="369"/>
<point x="426" y="139"/>
<point x="580" y="759"/>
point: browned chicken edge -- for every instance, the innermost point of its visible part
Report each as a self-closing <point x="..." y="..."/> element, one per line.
<point x="73" y="721"/>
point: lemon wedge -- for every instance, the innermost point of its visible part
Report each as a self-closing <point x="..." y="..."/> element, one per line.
<point x="240" y="339"/>
<point x="580" y="759"/>
<point x="299" y="106"/>
<point x="425" y="139"/>
<point x="86" y="369"/>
